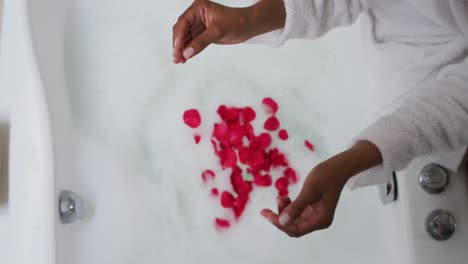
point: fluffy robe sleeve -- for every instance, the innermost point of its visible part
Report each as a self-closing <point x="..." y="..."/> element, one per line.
<point x="312" y="19"/>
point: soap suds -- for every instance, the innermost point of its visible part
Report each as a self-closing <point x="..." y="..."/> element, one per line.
<point x="141" y="169"/>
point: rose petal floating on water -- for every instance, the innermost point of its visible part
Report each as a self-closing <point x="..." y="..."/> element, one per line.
<point x="262" y="180"/>
<point x="235" y="135"/>
<point x="208" y="175"/>
<point x="261" y="142"/>
<point x="291" y="174"/>
<point x="248" y="114"/>
<point x="249" y="131"/>
<point x="283" y="134"/>
<point x="245" y="155"/>
<point x="282" y="185"/>
<point x="222" y="223"/>
<point x="309" y="145"/>
<point x="214" y="192"/>
<point x="220" y="131"/>
<point x="192" y="118"/>
<point x="277" y="158"/>
<point x="228" y="158"/>
<point x="272" y="106"/>
<point x="272" y="123"/>
<point x="197" y="138"/>
<point x="228" y="114"/>
<point x="227" y="200"/>
<point x="239" y="204"/>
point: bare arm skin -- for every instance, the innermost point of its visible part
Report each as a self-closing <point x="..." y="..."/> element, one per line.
<point x="206" y="22"/>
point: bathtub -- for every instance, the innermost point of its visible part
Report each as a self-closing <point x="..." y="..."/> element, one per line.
<point x="42" y="158"/>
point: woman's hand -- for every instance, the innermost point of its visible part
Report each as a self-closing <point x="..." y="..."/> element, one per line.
<point x="206" y="22"/>
<point x="315" y="206"/>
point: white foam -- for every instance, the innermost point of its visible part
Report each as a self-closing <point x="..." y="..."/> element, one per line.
<point x="141" y="169"/>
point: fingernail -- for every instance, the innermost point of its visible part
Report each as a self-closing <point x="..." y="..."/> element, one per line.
<point x="176" y="40"/>
<point x="284" y="219"/>
<point x="188" y="53"/>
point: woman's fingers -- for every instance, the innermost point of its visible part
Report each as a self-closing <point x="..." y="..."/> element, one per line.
<point x="282" y="203"/>
<point x="180" y="35"/>
<point x="270" y="216"/>
<point x="200" y="42"/>
<point x="313" y="220"/>
<point x="181" y="32"/>
<point x="273" y="218"/>
<point x="310" y="221"/>
<point x="290" y="230"/>
<point x="295" y="208"/>
<point x="318" y="216"/>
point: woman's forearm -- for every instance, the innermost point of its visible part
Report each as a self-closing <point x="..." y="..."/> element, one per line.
<point x="360" y="157"/>
<point x="266" y="16"/>
<point x="364" y="155"/>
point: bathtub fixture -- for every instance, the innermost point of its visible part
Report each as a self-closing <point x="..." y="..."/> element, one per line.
<point x="433" y="178"/>
<point x="388" y="191"/>
<point x="70" y="207"/>
<point x="440" y="224"/>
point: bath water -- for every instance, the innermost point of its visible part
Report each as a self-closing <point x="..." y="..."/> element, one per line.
<point x="139" y="169"/>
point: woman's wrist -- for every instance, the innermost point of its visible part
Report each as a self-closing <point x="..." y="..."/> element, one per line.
<point x="362" y="156"/>
<point x="366" y="155"/>
<point x="265" y="16"/>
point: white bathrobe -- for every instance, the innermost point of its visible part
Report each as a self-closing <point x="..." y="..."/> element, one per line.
<point x="418" y="55"/>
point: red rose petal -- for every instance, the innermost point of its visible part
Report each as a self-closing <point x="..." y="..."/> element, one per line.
<point x="222" y="223"/>
<point x="272" y="106"/>
<point x="283" y="193"/>
<point x="265" y="140"/>
<point x="215" y="147"/>
<point x="228" y="114"/>
<point x="236" y="170"/>
<point x="248" y="114"/>
<point x="239" y="205"/>
<point x="249" y="131"/>
<point x="245" y="188"/>
<point x="235" y="135"/>
<point x="267" y="164"/>
<point x="236" y="179"/>
<point x="220" y="131"/>
<point x="228" y="158"/>
<point x="227" y="200"/>
<point x="272" y="123"/>
<point x="197" y="138"/>
<point x="283" y="134"/>
<point x="257" y="160"/>
<point x="261" y="142"/>
<point x="214" y="192"/>
<point x="192" y="118"/>
<point x="309" y="145"/>
<point x="238" y="184"/>
<point x="277" y="158"/>
<point x="208" y="175"/>
<point x="282" y="185"/>
<point x="256" y="143"/>
<point x="262" y="180"/>
<point x="291" y="175"/>
<point x="244" y="155"/>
